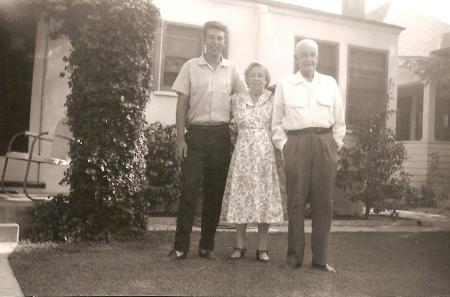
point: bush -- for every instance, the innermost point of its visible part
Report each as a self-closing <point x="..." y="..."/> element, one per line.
<point x="432" y="193"/>
<point x="47" y="220"/>
<point x="110" y="81"/>
<point x="163" y="171"/>
<point x="372" y="171"/>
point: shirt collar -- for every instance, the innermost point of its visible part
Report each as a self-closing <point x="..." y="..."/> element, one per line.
<point x="263" y="98"/>
<point x="223" y="62"/>
<point x="298" y="78"/>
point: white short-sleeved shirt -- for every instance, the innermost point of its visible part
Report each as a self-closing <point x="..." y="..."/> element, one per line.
<point x="208" y="90"/>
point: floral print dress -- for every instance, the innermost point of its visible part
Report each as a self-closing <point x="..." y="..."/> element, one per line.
<point x="252" y="192"/>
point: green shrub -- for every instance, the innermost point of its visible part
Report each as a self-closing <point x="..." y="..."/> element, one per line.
<point x="163" y="171"/>
<point x="432" y="193"/>
<point x="47" y="220"/>
<point x="372" y="170"/>
<point x="109" y="70"/>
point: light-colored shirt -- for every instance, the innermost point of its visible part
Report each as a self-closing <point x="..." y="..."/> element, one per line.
<point x="300" y="104"/>
<point x="208" y="90"/>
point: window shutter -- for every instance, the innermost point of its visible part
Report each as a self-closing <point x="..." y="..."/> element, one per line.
<point x="156" y="58"/>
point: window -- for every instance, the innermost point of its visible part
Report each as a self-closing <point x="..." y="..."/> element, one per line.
<point x="328" y="58"/>
<point x="180" y="43"/>
<point x="442" y="120"/>
<point x="409" y="113"/>
<point x="366" y="83"/>
<point x="17" y="41"/>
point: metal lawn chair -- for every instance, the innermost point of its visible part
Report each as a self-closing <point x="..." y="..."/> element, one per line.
<point x="59" y="141"/>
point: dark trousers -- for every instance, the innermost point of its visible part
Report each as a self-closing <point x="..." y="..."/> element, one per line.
<point x="311" y="164"/>
<point x="205" y="165"/>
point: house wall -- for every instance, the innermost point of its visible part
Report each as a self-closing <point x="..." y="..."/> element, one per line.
<point x="257" y="33"/>
<point x="419" y="160"/>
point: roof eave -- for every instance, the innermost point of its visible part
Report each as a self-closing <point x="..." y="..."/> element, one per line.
<point x="325" y="13"/>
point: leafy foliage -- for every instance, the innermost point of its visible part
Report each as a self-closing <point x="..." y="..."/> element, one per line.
<point x="434" y="68"/>
<point x="163" y="170"/>
<point x="47" y="220"/>
<point x="109" y="70"/>
<point x="372" y="171"/>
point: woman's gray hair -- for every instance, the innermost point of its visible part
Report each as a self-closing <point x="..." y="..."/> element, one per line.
<point x="253" y="65"/>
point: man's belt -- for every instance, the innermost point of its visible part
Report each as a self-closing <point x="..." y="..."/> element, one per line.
<point x="207" y="126"/>
<point x="313" y="130"/>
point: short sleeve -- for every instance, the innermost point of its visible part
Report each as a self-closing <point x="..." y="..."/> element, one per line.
<point x="182" y="83"/>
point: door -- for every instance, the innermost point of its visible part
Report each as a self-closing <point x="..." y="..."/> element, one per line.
<point x="17" y="46"/>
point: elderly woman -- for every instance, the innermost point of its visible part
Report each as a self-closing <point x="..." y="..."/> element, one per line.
<point x="252" y="192"/>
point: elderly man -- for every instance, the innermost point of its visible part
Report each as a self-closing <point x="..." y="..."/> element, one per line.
<point x="308" y="127"/>
<point x="204" y="86"/>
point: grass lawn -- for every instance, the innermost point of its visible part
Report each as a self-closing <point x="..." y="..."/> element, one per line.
<point x="367" y="263"/>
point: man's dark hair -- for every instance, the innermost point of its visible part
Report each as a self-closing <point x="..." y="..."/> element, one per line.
<point x="215" y="25"/>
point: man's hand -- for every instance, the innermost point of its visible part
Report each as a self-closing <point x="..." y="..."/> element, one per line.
<point x="181" y="149"/>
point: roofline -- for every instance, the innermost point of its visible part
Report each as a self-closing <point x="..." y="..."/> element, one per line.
<point x="295" y="7"/>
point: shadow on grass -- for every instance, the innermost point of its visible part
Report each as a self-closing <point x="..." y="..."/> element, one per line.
<point x="367" y="263"/>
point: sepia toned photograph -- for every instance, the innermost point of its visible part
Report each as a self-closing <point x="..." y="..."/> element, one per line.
<point x="225" y="148"/>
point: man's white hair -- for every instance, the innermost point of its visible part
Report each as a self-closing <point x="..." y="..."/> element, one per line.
<point x="306" y="42"/>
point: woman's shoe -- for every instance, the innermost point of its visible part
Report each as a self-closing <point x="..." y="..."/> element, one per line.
<point x="237" y="253"/>
<point x="262" y="255"/>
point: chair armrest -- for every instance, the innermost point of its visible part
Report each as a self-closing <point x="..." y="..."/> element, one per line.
<point x="42" y="136"/>
<point x="29" y="134"/>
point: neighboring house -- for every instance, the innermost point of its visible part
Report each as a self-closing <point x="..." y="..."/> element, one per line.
<point x="423" y="111"/>
<point x="361" y="54"/>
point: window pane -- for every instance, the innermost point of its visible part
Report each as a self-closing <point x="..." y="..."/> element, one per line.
<point x="442" y="128"/>
<point x="328" y="59"/>
<point x="366" y="83"/>
<point x="172" y="66"/>
<point x="409" y="112"/>
<point x="183" y="47"/>
<point x="180" y="44"/>
<point x="403" y="124"/>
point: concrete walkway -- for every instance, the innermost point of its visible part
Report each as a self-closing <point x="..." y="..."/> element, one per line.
<point x="408" y="221"/>
<point x="416" y="222"/>
<point x="8" y="282"/>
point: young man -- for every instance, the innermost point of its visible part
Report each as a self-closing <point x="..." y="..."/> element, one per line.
<point x="308" y="126"/>
<point x="204" y="86"/>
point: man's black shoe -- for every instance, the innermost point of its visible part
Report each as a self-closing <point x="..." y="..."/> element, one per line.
<point x="207" y="254"/>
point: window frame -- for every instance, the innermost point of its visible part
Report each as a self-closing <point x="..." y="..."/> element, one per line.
<point x="162" y="50"/>
<point x="297" y="38"/>
<point x="351" y="47"/>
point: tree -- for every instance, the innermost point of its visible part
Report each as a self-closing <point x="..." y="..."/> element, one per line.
<point x="372" y="170"/>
